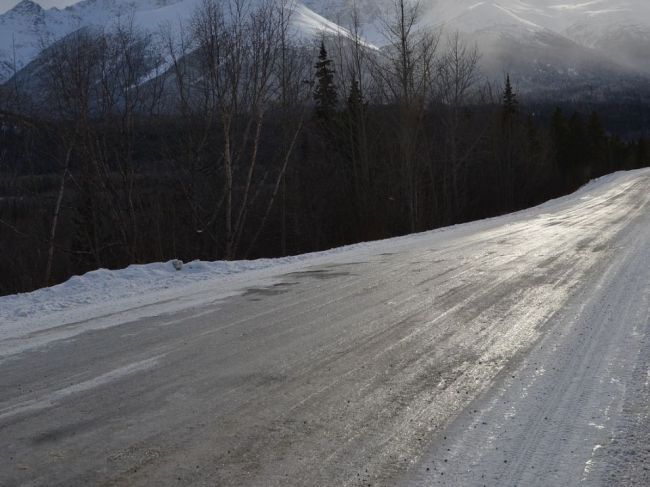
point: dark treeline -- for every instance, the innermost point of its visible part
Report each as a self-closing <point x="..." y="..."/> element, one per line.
<point x="228" y="141"/>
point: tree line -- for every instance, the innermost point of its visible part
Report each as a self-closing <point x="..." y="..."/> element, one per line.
<point x="226" y="139"/>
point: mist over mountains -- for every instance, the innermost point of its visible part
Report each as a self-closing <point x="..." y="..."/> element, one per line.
<point x="577" y="46"/>
<point x="586" y="47"/>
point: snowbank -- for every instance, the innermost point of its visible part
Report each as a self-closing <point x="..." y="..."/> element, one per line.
<point x="150" y="288"/>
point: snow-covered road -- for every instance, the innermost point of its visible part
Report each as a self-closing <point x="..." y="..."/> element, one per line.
<point x="513" y="351"/>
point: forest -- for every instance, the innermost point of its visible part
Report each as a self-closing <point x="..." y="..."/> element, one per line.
<point x="232" y="141"/>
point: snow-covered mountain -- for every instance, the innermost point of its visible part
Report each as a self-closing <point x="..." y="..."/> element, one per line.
<point x="588" y="42"/>
<point x="542" y="41"/>
<point x="27" y="28"/>
<point x="473" y="15"/>
<point x="617" y="29"/>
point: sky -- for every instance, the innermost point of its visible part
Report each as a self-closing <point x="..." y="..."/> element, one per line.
<point x="7" y="4"/>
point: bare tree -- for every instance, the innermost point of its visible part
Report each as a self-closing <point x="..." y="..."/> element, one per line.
<point x="94" y="82"/>
<point x="354" y="66"/>
<point x="456" y="77"/>
<point x="239" y="50"/>
<point x="69" y="79"/>
<point x="405" y="75"/>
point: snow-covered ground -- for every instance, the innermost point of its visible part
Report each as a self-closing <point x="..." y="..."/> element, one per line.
<point x="517" y="349"/>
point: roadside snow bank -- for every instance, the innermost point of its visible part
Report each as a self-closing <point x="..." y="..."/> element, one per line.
<point x="111" y="291"/>
<point x="104" y="284"/>
<point x="105" y="293"/>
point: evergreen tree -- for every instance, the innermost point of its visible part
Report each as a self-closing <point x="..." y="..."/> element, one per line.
<point x="510" y="103"/>
<point x="325" y="94"/>
<point x="356" y="104"/>
<point x="509" y="143"/>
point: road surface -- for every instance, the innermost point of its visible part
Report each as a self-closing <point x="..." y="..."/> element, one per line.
<point x="509" y="352"/>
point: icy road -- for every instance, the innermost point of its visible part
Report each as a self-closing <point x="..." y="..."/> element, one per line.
<point x="514" y="351"/>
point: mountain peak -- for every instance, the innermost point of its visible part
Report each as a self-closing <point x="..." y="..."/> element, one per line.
<point x="27" y="7"/>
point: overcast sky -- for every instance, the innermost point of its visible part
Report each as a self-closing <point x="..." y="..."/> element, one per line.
<point x="7" y="4"/>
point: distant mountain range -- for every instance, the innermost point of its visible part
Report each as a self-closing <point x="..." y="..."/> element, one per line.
<point x="587" y="46"/>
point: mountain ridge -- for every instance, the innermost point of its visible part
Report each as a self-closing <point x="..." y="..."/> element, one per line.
<point x="27" y="29"/>
<point x="600" y="35"/>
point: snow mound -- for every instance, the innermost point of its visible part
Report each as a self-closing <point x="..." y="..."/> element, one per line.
<point x="110" y="286"/>
<point x="104" y="293"/>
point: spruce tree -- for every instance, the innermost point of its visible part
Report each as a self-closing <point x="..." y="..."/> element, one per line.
<point x="509" y="145"/>
<point x="325" y="94"/>
<point x="510" y="103"/>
